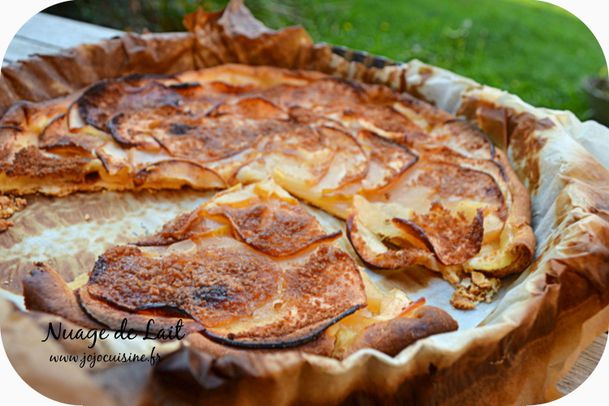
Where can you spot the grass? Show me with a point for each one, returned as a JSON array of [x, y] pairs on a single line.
[[535, 50]]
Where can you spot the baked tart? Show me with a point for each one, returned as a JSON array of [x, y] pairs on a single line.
[[417, 186], [251, 268]]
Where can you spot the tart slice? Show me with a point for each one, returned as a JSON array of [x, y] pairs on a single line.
[[464, 218], [250, 268]]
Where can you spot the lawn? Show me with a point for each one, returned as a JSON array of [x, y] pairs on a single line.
[[532, 49]]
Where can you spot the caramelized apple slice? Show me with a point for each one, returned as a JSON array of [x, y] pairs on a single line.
[[435, 207], [240, 296], [462, 137], [388, 159], [173, 174], [377, 253], [300, 152], [262, 215], [254, 107], [318, 289], [103, 100], [197, 128], [185, 226], [251, 287], [324, 95], [450, 236], [386, 121], [58, 137]]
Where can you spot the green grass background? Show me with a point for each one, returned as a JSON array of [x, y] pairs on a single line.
[[535, 50]]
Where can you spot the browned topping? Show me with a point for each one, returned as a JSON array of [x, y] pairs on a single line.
[[305, 130], [31, 162], [205, 139], [108, 314], [230, 282], [389, 158], [453, 239], [387, 119], [465, 139], [104, 99], [180, 228], [320, 93], [392, 258], [222, 283], [256, 108], [213, 284], [275, 228], [318, 289], [449, 180], [57, 137], [314, 125]]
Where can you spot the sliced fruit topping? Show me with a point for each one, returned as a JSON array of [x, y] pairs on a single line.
[[255, 107], [102, 101], [462, 137], [450, 236], [387, 159], [57, 137], [437, 214], [300, 152], [251, 266], [275, 227], [238, 295]]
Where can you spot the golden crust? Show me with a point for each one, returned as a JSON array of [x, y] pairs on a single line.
[[392, 336], [44, 290]]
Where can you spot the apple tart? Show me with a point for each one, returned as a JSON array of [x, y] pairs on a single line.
[[251, 268], [417, 186]]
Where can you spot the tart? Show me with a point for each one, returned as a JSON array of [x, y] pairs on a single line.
[[417, 186]]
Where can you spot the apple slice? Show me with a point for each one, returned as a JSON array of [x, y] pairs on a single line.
[[462, 137], [262, 219], [173, 174], [239, 297], [58, 137], [450, 236], [301, 152], [103, 100]]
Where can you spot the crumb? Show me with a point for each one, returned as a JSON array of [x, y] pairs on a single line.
[[5, 225], [472, 291], [9, 205]]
